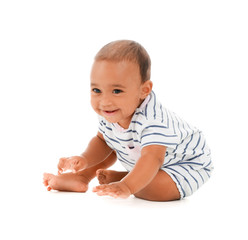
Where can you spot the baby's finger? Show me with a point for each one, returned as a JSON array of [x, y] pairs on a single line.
[[72, 163], [99, 188], [77, 165], [62, 164], [105, 192]]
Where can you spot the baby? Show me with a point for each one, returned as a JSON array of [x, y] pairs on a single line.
[[165, 158]]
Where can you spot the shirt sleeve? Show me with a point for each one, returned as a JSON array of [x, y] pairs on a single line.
[[156, 133]]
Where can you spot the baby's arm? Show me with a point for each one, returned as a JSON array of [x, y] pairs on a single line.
[[95, 153], [146, 168]]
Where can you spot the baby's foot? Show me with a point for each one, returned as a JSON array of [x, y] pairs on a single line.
[[108, 176], [66, 182]]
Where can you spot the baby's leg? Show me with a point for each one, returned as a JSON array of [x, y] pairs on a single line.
[[76, 182], [161, 188]]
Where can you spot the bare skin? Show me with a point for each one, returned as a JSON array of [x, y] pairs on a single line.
[[117, 91], [161, 188], [76, 182], [73, 182], [108, 176]]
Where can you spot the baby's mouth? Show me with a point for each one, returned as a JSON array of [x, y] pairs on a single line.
[[110, 112]]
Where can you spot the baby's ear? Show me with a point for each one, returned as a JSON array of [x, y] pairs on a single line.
[[146, 88]]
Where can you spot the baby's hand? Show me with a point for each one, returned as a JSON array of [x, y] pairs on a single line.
[[74, 163], [115, 189]]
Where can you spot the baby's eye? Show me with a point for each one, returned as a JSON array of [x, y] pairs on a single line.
[[96, 90], [116, 91]]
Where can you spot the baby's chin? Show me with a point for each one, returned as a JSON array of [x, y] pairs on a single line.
[[109, 119]]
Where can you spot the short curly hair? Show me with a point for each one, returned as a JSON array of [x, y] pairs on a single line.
[[127, 50]]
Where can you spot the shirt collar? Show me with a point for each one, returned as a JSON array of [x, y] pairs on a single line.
[[144, 103]]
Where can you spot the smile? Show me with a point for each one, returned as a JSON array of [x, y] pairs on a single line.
[[110, 113]]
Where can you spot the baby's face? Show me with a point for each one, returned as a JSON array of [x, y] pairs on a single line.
[[116, 90]]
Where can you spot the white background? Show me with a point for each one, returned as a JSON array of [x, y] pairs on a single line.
[[199, 69]]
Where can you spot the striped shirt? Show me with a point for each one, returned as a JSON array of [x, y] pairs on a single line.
[[153, 124]]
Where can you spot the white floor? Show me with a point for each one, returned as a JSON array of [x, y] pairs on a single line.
[[28, 211]]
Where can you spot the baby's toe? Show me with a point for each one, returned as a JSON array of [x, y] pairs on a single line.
[[47, 179], [47, 176], [101, 176], [45, 182]]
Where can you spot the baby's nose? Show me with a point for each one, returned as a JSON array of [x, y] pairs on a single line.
[[106, 101]]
